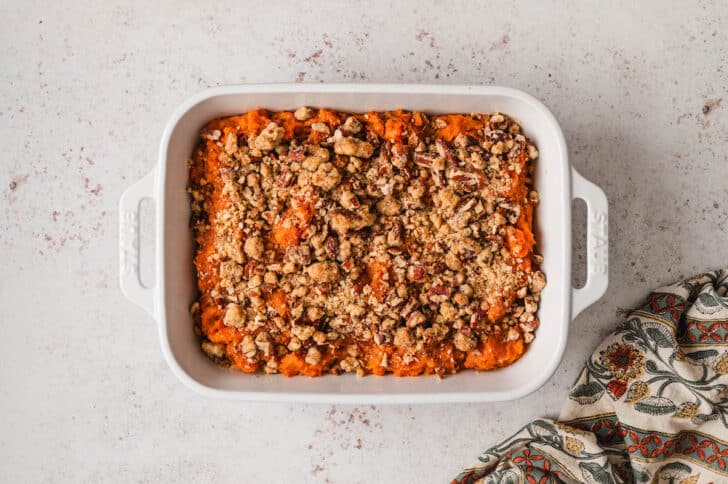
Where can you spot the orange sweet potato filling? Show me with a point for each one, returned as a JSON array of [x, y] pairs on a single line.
[[391, 126]]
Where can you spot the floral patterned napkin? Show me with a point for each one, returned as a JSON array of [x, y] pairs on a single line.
[[651, 404]]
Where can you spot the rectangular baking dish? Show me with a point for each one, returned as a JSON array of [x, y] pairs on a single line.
[[169, 300]]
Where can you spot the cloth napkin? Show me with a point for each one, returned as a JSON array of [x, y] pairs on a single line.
[[650, 405]]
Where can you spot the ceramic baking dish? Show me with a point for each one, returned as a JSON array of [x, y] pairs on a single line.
[[169, 300]]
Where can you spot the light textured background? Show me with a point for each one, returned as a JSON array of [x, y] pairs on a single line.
[[85, 90]]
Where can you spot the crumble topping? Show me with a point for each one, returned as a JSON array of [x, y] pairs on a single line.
[[364, 242]]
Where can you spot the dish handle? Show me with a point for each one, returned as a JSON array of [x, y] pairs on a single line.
[[129, 261], [597, 243]]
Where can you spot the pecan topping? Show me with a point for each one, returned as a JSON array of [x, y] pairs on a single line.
[[372, 242], [303, 113], [269, 137], [332, 246], [353, 147], [323, 271]]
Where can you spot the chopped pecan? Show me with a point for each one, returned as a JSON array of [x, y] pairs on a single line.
[[400, 155], [332, 246], [465, 180], [445, 151], [349, 200], [343, 221], [416, 273], [285, 179], [298, 254], [297, 154], [439, 290], [415, 319], [394, 236], [424, 159]]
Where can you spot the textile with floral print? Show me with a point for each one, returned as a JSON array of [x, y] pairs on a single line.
[[650, 405]]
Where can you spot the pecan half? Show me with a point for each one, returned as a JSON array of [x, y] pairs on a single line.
[[332, 246]]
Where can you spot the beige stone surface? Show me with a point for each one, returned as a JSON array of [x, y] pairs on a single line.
[[640, 88]]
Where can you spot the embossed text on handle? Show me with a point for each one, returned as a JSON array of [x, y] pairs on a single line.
[[129, 241], [599, 250]]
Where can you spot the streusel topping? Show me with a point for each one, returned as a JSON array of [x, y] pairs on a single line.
[[372, 242]]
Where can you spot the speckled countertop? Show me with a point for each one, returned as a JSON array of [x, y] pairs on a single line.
[[641, 91]]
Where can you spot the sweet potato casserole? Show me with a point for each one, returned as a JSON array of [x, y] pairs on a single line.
[[332, 242]]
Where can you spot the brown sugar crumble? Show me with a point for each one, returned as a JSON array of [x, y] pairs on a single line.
[[378, 242]]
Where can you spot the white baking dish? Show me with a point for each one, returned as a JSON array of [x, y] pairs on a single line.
[[168, 302]]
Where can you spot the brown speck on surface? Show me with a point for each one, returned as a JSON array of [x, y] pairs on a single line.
[[684, 116], [300, 77], [315, 57], [716, 205], [711, 104], [501, 43], [120, 59], [423, 35], [17, 182]]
